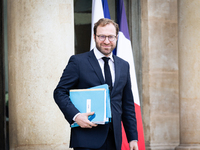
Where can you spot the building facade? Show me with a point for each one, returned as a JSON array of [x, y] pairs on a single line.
[[166, 47]]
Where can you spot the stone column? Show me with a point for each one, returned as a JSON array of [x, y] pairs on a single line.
[[160, 74], [189, 62], [40, 41]]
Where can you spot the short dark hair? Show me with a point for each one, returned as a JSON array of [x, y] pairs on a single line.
[[103, 22]]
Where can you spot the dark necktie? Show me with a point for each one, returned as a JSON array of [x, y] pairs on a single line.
[[108, 77]]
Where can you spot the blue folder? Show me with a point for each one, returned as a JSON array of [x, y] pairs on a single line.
[[108, 108], [95, 99]]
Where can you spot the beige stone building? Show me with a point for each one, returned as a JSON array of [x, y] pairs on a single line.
[[41, 35]]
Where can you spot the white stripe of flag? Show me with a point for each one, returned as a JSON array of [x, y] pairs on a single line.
[[97, 13]]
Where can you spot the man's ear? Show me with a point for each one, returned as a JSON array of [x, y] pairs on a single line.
[[94, 37], [117, 37]]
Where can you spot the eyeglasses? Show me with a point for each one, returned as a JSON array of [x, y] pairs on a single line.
[[103, 37]]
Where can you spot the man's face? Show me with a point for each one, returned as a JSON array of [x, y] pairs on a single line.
[[106, 46]]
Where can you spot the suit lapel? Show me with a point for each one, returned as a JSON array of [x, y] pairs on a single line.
[[95, 64]]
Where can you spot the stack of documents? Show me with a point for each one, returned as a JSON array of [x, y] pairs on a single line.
[[95, 99]]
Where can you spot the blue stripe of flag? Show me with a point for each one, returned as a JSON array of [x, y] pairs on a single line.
[[105, 9], [121, 19]]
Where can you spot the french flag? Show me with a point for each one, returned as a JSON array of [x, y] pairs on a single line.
[[100, 10], [124, 50]]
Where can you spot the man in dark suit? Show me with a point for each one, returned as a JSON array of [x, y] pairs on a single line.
[[87, 70]]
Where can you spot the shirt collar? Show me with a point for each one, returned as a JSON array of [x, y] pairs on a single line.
[[99, 55]]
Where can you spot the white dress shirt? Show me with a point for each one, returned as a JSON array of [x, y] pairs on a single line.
[[99, 56]]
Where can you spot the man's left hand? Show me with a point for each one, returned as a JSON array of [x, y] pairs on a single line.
[[133, 145]]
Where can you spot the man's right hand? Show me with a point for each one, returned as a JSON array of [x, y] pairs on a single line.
[[83, 122]]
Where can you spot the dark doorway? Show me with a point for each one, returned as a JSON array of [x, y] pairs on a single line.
[[3, 78], [2, 82], [82, 23]]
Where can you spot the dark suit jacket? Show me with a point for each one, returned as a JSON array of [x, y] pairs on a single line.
[[83, 71]]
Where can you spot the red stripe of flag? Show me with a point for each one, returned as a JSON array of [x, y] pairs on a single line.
[[141, 143]]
